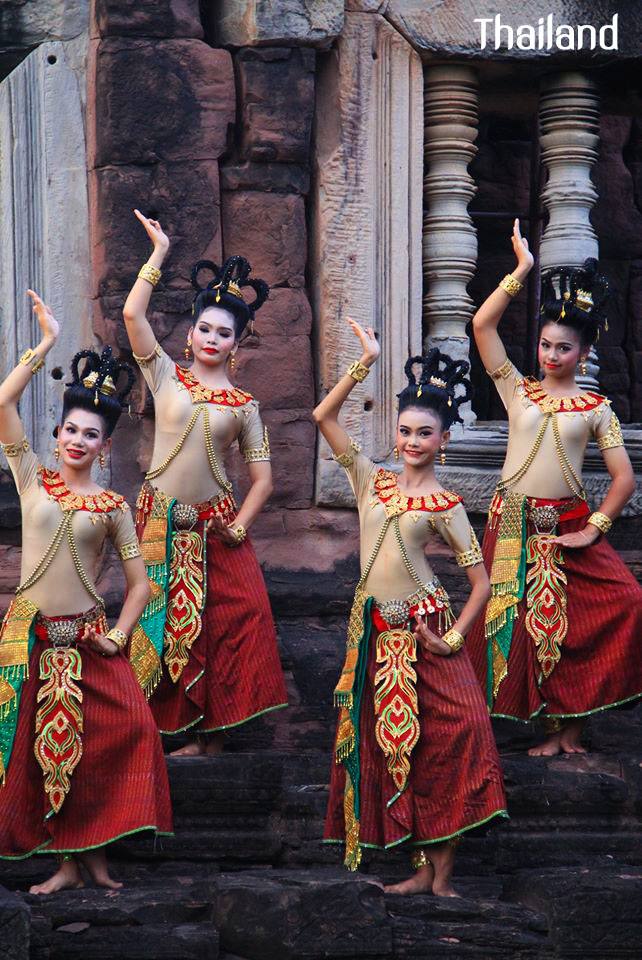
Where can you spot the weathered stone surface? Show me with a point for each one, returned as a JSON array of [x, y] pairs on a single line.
[[26, 23], [135, 80], [158, 18], [266, 177], [14, 927], [285, 313], [276, 91], [183, 196], [617, 216], [268, 229], [283, 369], [281, 916], [241, 23]]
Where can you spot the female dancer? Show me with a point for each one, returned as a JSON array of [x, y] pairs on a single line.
[[560, 636], [210, 618], [399, 704], [79, 752]]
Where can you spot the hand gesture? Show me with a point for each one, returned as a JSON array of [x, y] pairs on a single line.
[[221, 531], [369, 343], [46, 320], [520, 247], [429, 640], [98, 641], [580, 538], [154, 231]]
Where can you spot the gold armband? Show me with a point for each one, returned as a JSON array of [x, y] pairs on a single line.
[[145, 361], [454, 639], [30, 355], [601, 521], [129, 550], [468, 558], [256, 454], [503, 372], [150, 273], [358, 371], [347, 459], [119, 637], [510, 285], [15, 449], [239, 532], [613, 436]]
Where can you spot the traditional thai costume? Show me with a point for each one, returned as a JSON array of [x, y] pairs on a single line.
[[415, 756], [80, 756], [206, 650], [561, 633]]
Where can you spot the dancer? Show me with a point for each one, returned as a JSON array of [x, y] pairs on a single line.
[[209, 659], [560, 636], [415, 755], [80, 756]]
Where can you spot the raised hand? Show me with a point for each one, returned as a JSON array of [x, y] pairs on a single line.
[[98, 641], [154, 231], [580, 538], [221, 531], [369, 344], [429, 640], [520, 246], [46, 320]]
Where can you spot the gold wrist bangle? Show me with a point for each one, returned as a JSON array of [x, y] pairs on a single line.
[[119, 637], [601, 521], [358, 371], [239, 532], [454, 639], [150, 273], [38, 365], [510, 285], [27, 358]]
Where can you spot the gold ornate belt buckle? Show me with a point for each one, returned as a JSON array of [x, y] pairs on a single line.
[[62, 633], [184, 516], [545, 519], [394, 612]]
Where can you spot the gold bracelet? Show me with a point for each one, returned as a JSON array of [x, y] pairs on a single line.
[[358, 371], [119, 637], [38, 365], [510, 285], [239, 532], [150, 273], [454, 639], [30, 355], [601, 521]]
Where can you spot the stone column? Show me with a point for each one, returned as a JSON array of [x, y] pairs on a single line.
[[43, 224], [569, 123], [366, 237], [449, 237]]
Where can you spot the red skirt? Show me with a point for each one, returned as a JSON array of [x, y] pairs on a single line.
[[455, 780], [119, 785], [234, 672], [600, 664]]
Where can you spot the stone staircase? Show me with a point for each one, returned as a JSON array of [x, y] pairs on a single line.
[[246, 878]]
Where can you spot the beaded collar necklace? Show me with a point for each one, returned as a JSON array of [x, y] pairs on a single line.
[[56, 489], [395, 502], [549, 404], [202, 394]]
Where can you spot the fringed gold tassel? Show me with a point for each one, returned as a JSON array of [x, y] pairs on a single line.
[[352, 857]]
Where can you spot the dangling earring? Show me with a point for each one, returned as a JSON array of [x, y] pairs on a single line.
[[232, 363], [188, 350], [442, 456], [583, 366], [101, 459], [396, 452], [56, 453]]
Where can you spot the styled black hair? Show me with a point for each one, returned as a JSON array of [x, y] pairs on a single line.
[[576, 297], [95, 387], [435, 388], [225, 291]]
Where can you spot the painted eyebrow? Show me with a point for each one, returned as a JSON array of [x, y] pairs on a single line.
[[221, 329], [70, 423]]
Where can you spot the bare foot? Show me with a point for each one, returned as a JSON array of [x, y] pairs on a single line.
[[550, 747], [570, 737], [194, 749], [67, 877], [215, 743], [421, 882], [95, 862], [444, 890]]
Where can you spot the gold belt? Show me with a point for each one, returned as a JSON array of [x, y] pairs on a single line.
[[62, 632], [396, 612]]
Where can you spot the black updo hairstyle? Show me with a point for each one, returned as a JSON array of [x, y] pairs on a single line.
[[435, 389], [576, 297], [95, 387], [225, 291]]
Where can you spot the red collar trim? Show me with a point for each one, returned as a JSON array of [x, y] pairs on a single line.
[[202, 394], [396, 502], [549, 404], [57, 489]]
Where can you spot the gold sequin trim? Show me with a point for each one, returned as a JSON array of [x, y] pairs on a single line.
[[145, 361], [504, 372], [129, 550], [258, 453], [613, 436], [15, 449], [347, 459], [468, 558]]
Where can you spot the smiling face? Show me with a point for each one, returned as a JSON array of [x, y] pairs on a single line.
[[420, 434], [213, 337], [560, 350], [81, 437]]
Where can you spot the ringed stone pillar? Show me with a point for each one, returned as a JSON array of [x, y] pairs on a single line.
[[449, 237], [366, 236], [569, 125]]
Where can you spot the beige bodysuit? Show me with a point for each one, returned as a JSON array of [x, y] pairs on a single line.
[[558, 427], [194, 428], [422, 521], [63, 535]]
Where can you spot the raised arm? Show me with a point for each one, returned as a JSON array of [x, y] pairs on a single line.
[[141, 336], [326, 414], [11, 428], [486, 320]]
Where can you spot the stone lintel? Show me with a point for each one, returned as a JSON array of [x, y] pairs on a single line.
[[291, 23]]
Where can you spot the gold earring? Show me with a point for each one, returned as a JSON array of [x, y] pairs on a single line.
[[583, 367], [101, 458], [396, 452], [442, 456], [188, 350], [56, 453], [232, 362]]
